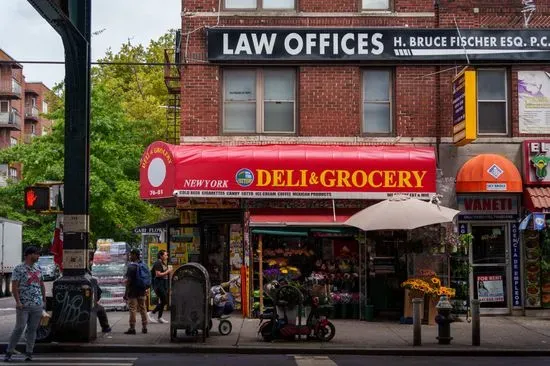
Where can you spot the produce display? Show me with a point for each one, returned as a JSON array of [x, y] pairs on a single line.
[[109, 267], [537, 269]]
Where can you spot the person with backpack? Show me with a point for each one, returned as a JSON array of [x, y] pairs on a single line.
[[160, 273], [138, 280]]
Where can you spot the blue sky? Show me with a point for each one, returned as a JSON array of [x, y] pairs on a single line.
[[31, 38]]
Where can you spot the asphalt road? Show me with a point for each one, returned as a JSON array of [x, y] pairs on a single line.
[[272, 360]]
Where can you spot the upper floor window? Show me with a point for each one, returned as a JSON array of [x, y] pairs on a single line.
[[44, 107], [492, 102], [259, 4], [13, 141], [13, 173], [4, 106], [377, 101], [259, 101], [375, 4]]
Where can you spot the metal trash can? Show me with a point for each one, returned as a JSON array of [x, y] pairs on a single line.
[[189, 305]]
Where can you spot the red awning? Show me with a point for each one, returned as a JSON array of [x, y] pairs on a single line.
[[299, 217], [286, 171], [537, 199]]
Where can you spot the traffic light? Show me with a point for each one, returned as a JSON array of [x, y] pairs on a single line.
[[37, 198]]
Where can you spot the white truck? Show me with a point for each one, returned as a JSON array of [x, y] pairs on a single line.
[[11, 251]]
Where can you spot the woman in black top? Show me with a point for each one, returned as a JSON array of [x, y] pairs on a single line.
[[160, 273]]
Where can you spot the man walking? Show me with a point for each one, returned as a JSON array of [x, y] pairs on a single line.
[[136, 289], [160, 273], [30, 298]]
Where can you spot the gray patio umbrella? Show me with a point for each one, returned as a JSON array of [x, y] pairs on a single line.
[[401, 213]]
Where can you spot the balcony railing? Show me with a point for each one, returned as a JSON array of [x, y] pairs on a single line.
[[31, 112], [10, 120], [10, 88]]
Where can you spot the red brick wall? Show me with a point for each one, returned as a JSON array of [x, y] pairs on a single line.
[[329, 101], [329, 96]]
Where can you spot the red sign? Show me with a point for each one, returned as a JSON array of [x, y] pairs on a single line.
[[37, 198], [286, 171], [536, 155]]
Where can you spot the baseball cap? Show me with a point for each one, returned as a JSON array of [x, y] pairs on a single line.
[[31, 250]]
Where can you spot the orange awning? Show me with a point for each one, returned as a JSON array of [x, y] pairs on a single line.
[[488, 173]]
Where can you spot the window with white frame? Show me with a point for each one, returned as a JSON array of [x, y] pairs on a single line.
[[33, 129], [259, 101], [44, 107], [13, 141], [375, 4], [13, 173], [377, 101], [492, 102], [4, 106], [259, 4]]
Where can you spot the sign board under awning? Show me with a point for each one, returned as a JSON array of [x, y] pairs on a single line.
[[286, 171]]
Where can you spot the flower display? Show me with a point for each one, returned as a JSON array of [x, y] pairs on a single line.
[[427, 285]]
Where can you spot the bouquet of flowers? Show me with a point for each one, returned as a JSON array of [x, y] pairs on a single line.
[[272, 274], [427, 285]]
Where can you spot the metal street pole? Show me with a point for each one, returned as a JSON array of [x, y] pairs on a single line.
[[73, 313]]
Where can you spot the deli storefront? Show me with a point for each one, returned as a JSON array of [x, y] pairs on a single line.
[[259, 212]]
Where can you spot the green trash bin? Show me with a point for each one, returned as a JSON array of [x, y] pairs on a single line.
[[369, 313]]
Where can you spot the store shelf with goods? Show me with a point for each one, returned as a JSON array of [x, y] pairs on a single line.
[[109, 267]]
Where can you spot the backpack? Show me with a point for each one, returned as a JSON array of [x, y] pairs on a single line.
[[143, 276]]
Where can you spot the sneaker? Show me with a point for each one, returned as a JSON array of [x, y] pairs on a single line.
[[162, 321], [151, 319], [106, 330], [28, 356], [7, 356], [130, 331], [143, 330]]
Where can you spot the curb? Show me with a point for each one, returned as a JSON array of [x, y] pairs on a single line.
[[253, 350]]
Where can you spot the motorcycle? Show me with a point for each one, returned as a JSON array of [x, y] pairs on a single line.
[[278, 326]]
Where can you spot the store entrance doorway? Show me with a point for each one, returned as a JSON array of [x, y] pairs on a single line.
[[489, 259]]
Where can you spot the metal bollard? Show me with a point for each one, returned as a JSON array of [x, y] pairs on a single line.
[[476, 329], [417, 319]]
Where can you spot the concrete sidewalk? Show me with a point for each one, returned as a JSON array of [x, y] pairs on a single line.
[[499, 335]]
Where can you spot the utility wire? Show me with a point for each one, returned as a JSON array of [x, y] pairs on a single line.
[[123, 63]]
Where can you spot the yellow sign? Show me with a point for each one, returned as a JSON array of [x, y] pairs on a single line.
[[464, 107], [341, 178]]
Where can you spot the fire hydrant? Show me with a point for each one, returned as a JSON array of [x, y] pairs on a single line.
[[444, 318]]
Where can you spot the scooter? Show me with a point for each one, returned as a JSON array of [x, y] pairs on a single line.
[[317, 325]]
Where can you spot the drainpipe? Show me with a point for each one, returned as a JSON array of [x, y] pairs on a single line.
[[438, 129]]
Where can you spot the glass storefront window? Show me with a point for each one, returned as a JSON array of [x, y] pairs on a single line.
[[489, 245]]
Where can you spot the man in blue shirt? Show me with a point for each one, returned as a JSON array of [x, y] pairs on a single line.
[[30, 297]]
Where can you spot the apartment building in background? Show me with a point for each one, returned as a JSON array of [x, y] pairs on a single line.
[[23, 105]]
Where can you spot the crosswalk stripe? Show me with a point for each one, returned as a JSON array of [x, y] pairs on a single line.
[[85, 358], [314, 361], [55, 363]]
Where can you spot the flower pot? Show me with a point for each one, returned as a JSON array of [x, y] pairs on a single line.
[[369, 313]]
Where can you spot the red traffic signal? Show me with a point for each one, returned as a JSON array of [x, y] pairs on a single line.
[[37, 198]]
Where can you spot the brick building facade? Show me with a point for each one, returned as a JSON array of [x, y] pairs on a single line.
[[22, 108], [368, 73]]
